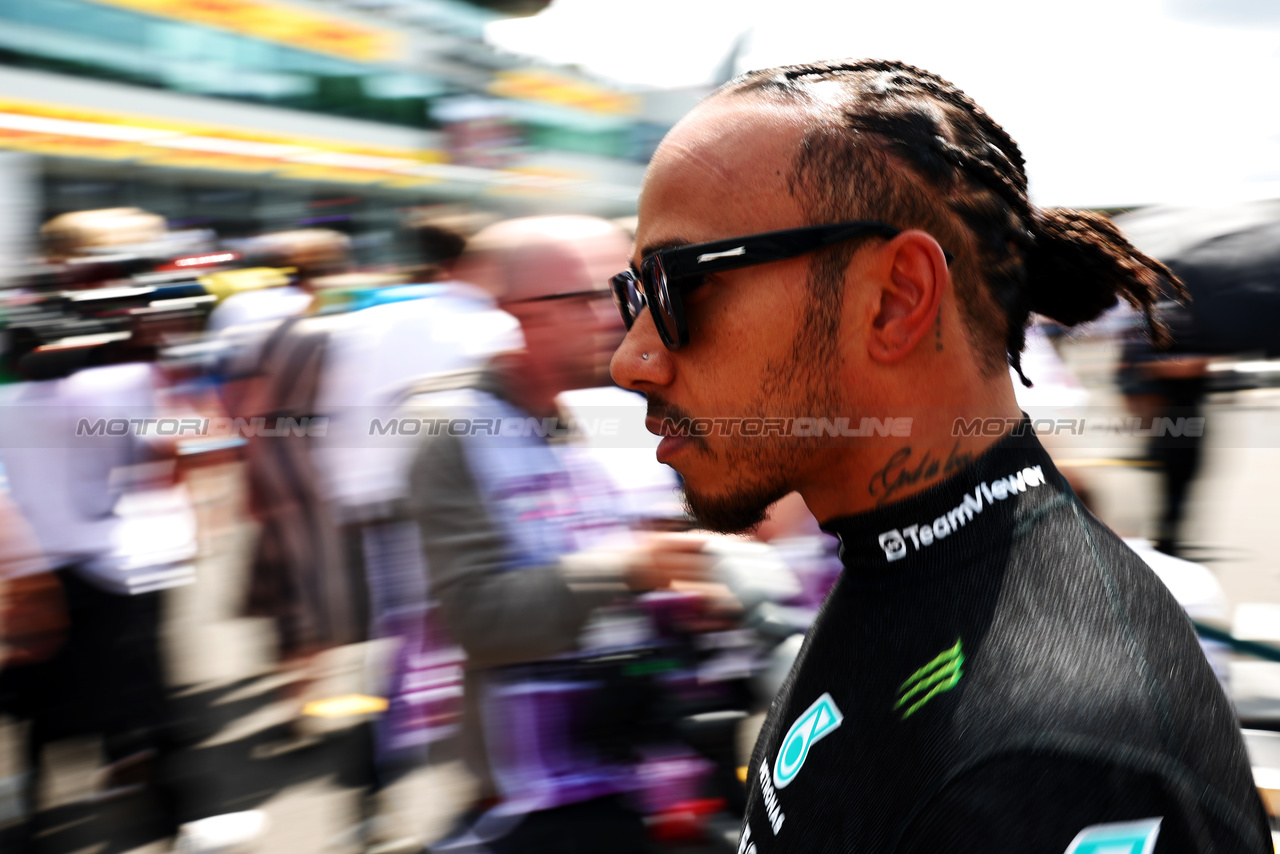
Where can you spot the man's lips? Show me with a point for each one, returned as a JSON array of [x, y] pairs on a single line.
[[670, 446], [672, 442], [659, 426]]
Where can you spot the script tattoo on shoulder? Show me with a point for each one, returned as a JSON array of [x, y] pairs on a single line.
[[905, 469]]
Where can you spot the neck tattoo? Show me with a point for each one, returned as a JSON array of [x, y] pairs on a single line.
[[905, 469]]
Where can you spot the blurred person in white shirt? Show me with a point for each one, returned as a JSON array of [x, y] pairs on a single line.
[[93, 478]]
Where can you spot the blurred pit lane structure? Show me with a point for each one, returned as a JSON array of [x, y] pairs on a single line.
[[269, 115]]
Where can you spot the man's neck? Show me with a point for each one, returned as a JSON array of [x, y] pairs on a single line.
[[887, 470]]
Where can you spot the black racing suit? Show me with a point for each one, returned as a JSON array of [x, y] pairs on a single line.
[[996, 671]]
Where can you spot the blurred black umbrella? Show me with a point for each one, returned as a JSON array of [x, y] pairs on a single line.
[[1229, 259]]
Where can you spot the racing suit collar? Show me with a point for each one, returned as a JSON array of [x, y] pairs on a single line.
[[956, 516]]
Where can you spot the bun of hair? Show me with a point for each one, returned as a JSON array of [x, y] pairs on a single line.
[[1081, 265]]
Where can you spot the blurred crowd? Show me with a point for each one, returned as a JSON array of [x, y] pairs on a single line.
[[431, 464], [429, 455]]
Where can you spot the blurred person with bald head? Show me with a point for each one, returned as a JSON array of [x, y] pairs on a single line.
[[434, 324], [523, 543], [545, 271]]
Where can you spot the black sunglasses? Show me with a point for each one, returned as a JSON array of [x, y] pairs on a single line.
[[666, 275]]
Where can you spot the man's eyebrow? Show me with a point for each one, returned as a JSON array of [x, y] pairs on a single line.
[[672, 243]]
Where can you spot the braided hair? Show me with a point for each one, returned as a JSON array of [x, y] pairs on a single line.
[[1012, 258]]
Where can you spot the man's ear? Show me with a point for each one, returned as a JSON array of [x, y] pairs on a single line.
[[914, 279]]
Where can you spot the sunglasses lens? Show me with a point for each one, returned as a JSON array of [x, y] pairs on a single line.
[[663, 303], [627, 296], [631, 297]]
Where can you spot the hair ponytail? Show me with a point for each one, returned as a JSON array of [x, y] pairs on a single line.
[[1081, 265]]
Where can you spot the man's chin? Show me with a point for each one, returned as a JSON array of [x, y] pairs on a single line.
[[735, 513]]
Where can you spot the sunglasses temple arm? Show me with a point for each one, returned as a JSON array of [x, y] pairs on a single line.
[[765, 249]]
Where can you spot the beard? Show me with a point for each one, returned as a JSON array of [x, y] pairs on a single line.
[[758, 471], [738, 511]]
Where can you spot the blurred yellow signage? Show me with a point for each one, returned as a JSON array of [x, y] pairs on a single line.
[[550, 88], [289, 25], [65, 131], [62, 131]]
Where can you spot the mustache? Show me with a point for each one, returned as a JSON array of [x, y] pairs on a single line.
[[665, 411]]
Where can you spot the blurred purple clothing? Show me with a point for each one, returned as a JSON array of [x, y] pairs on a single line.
[[515, 527]]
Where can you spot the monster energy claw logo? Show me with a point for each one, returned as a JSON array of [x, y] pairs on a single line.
[[818, 721], [941, 674]]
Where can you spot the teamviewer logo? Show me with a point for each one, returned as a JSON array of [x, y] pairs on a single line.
[[895, 548]]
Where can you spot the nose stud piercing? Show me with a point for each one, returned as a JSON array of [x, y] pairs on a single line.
[[644, 356]]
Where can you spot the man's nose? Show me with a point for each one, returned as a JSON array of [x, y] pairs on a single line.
[[641, 361]]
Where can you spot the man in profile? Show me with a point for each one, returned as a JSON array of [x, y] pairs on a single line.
[[995, 671]]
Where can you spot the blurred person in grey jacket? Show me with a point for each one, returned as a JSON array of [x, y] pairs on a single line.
[[522, 545]]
